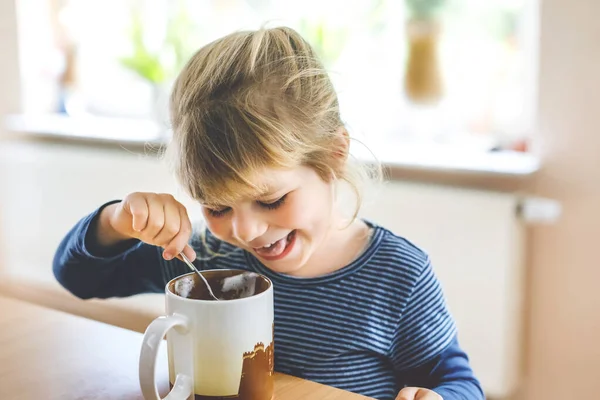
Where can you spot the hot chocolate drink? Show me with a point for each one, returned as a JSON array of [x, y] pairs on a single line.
[[225, 284]]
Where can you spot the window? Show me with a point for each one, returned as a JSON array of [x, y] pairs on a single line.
[[75, 56]]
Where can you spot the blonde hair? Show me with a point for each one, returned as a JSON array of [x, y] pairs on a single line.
[[250, 100]]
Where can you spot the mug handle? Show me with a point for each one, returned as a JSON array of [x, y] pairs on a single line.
[[156, 331]]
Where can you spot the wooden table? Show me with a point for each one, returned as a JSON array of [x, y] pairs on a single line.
[[50, 355]]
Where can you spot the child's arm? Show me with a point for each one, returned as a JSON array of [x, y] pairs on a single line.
[[426, 353], [97, 260], [448, 374]]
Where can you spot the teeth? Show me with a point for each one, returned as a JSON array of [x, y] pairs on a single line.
[[268, 246]]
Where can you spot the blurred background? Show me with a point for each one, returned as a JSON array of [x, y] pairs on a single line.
[[484, 114], [453, 72]]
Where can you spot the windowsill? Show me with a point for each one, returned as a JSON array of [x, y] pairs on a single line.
[[120, 131], [502, 170]]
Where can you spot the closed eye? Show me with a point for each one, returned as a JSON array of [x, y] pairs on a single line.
[[273, 205], [218, 213]]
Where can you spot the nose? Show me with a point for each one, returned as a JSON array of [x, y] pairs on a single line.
[[247, 226]]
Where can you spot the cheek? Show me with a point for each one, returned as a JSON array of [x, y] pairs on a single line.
[[310, 209], [293, 217], [219, 227]]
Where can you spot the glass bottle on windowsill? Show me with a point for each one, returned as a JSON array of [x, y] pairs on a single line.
[[70, 100], [422, 80]]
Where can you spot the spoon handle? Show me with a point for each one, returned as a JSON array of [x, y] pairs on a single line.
[[193, 268]]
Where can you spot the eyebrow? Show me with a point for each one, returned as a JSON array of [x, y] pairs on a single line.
[[267, 191]]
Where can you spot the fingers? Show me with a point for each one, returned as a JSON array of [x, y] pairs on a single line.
[[156, 218], [179, 236], [407, 393], [415, 393], [171, 223], [425, 394], [189, 253], [135, 204]]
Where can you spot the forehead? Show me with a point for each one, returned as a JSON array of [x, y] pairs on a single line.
[[272, 179], [260, 183]]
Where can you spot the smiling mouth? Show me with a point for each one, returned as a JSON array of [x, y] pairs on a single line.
[[278, 249]]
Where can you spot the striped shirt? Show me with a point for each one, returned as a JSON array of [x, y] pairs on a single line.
[[371, 327]]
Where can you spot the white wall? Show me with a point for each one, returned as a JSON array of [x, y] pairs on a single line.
[[9, 67], [563, 355]]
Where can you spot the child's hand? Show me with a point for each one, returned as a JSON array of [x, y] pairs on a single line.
[[414, 393], [156, 219]]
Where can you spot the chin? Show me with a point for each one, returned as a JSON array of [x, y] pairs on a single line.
[[283, 268], [288, 267], [285, 271]]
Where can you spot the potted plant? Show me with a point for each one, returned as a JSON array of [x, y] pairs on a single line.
[[422, 80], [158, 65]]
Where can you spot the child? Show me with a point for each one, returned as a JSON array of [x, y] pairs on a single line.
[[258, 141]]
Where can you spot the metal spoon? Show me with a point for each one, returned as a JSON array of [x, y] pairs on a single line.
[[193, 268]]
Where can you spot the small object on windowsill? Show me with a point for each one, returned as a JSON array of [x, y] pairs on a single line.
[[423, 79], [519, 146]]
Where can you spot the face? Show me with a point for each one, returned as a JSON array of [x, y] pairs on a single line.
[[284, 228]]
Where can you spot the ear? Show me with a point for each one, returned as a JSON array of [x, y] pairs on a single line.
[[341, 145]]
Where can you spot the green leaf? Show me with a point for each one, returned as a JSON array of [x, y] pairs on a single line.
[[158, 66], [424, 8]]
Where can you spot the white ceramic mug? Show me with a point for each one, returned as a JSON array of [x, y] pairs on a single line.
[[216, 349]]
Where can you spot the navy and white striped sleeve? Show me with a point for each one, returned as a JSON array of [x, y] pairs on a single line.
[[426, 327], [87, 269], [425, 351]]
